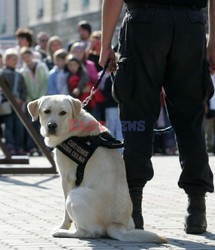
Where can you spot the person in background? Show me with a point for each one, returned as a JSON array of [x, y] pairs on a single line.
[[209, 120], [79, 84], [78, 51], [209, 127], [42, 40], [93, 55], [212, 115], [24, 37], [54, 44], [84, 30], [165, 142], [14, 130], [57, 80], [95, 48], [77, 80], [112, 120], [1, 60], [1, 66], [36, 78]]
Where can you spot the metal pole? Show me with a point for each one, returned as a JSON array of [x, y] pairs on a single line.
[[35, 136], [16, 14]]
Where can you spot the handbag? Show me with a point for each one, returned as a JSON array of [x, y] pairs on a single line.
[[5, 107]]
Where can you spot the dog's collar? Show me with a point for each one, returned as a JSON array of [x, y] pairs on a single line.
[[80, 149]]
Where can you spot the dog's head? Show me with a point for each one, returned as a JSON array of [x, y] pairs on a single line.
[[54, 113]]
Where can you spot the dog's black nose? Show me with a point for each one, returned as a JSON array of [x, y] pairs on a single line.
[[52, 127]]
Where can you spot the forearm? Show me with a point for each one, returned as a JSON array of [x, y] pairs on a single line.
[[211, 12], [111, 10]]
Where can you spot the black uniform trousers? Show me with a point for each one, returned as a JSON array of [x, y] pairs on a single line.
[[164, 46]]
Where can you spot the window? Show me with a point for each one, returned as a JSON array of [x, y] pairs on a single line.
[[65, 5], [3, 13], [85, 4], [40, 8], [3, 28]]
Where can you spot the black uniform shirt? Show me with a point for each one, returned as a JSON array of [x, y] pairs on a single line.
[[199, 3]]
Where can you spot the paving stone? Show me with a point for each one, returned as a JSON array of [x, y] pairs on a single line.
[[31, 205]]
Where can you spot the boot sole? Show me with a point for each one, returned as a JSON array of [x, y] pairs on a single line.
[[195, 230]]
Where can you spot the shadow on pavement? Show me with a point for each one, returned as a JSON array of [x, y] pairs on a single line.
[[210, 236], [22, 183], [189, 244], [104, 242]]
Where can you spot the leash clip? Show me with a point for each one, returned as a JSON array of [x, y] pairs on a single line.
[[86, 101]]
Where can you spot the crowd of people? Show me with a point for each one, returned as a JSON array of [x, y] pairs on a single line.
[[48, 67]]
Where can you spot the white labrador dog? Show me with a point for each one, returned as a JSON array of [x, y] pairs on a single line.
[[101, 205]]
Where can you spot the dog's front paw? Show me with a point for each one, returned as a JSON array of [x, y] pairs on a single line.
[[58, 232]]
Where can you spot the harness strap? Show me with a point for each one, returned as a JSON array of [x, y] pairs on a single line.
[[80, 149], [81, 167]]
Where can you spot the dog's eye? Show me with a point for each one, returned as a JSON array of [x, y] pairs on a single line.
[[62, 112], [47, 111]]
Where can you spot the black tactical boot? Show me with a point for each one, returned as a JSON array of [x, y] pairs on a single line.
[[136, 198], [195, 221]]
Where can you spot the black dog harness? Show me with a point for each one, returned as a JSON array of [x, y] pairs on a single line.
[[80, 149]]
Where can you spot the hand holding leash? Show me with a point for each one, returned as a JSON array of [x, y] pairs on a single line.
[[108, 55]]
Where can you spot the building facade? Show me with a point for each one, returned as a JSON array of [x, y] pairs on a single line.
[[60, 17], [56, 17]]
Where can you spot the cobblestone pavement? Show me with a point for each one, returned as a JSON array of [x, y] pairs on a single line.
[[30, 206]]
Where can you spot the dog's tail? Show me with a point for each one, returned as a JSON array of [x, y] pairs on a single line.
[[118, 232]]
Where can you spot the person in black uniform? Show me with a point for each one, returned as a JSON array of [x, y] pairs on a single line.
[[163, 44]]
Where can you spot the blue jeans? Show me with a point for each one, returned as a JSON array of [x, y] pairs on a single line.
[[113, 122], [14, 131]]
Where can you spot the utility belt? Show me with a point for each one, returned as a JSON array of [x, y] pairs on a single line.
[[141, 5]]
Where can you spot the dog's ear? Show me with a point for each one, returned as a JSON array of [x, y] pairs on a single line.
[[33, 109], [76, 106]]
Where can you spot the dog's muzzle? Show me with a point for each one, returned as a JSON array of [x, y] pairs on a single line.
[[52, 127]]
